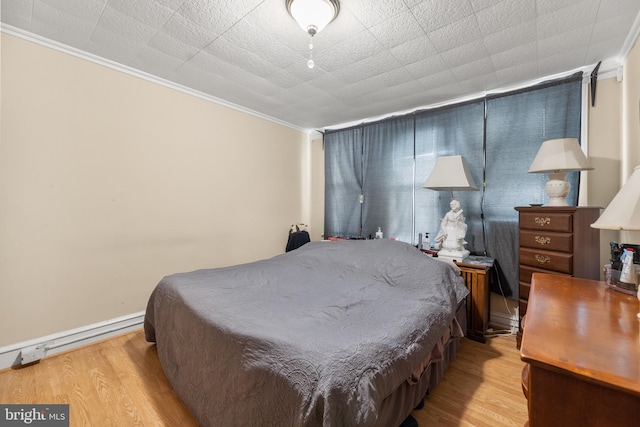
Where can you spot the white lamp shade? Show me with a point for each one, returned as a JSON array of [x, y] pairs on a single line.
[[557, 155], [623, 213], [450, 173], [314, 14]]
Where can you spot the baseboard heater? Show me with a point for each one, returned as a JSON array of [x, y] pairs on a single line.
[[31, 351], [503, 322]]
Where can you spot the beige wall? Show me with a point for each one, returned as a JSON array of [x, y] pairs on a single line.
[[631, 113], [317, 188], [631, 124], [605, 143], [108, 182], [614, 142]]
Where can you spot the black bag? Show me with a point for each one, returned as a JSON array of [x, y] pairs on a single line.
[[297, 237]]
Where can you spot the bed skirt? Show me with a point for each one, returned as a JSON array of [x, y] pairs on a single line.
[[399, 405]]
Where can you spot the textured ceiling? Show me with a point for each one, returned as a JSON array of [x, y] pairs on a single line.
[[376, 58]]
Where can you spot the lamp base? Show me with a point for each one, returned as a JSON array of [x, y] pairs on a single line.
[[557, 189]]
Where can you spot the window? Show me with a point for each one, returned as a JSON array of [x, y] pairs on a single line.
[[456, 129], [374, 172]]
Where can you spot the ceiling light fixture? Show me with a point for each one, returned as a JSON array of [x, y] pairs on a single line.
[[313, 16]]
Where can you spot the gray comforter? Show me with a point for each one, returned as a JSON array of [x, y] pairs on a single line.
[[319, 336]]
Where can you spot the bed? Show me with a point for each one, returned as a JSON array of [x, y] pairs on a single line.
[[348, 333]]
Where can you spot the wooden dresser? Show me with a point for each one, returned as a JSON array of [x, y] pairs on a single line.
[[581, 344], [556, 240]]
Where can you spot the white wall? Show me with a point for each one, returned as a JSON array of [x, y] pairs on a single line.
[[108, 182]]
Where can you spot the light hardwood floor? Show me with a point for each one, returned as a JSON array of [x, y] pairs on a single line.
[[119, 382]]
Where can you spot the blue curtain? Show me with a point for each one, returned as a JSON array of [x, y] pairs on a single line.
[[388, 178], [343, 183], [517, 124], [374, 172], [447, 131]]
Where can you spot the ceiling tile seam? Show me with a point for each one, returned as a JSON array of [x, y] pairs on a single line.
[[104, 7], [31, 15], [537, 41], [593, 28], [424, 30], [203, 49], [493, 66], [512, 24], [135, 55], [367, 26], [175, 11], [406, 41], [435, 45], [438, 53], [163, 26]]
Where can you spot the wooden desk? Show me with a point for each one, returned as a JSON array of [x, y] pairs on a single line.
[[582, 343], [476, 272]]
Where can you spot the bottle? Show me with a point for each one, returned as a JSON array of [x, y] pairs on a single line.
[[427, 242], [628, 273], [379, 233]]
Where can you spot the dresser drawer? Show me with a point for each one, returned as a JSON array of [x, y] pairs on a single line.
[[546, 221], [524, 273], [555, 240], [547, 260], [546, 240]]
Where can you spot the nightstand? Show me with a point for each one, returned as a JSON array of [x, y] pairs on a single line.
[[476, 272]]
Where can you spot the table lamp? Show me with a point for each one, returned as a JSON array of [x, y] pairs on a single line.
[[451, 173], [557, 157], [623, 213]]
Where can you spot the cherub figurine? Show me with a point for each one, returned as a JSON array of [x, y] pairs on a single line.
[[450, 238]]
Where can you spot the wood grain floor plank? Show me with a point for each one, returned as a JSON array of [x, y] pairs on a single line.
[[120, 382], [480, 388]]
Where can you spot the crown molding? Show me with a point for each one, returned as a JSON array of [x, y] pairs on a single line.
[[630, 41], [43, 41]]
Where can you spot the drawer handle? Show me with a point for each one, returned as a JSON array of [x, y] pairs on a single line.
[[542, 259], [542, 221], [542, 240]]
